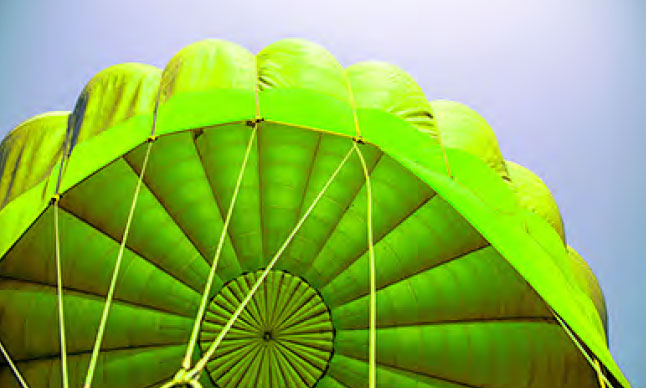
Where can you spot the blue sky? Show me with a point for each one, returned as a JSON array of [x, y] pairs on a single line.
[[562, 83]]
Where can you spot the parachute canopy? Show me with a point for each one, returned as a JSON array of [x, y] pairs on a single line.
[[234, 160]]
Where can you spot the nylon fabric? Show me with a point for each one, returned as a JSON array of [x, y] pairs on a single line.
[[299, 64], [113, 96], [462, 128], [29, 152], [391, 210], [588, 282], [310, 116], [534, 195], [382, 86]]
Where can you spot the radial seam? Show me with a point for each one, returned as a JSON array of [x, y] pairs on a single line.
[[436, 265], [137, 253], [387, 232], [93, 294], [338, 221], [166, 208]]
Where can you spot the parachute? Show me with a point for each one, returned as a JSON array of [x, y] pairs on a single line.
[[279, 221]]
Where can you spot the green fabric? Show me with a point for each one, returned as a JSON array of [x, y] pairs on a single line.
[[29, 152], [385, 87], [286, 326], [587, 281], [463, 128], [113, 96], [467, 275], [534, 195]]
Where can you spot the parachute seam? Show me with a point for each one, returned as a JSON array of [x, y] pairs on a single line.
[[398, 368], [166, 209], [310, 171], [130, 249], [53, 357], [527, 319], [309, 128], [421, 271], [286, 351], [215, 199], [93, 295], [386, 234], [233, 297], [339, 381], [345, 209]]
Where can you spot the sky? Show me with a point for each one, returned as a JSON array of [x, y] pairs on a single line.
[[561, 82]]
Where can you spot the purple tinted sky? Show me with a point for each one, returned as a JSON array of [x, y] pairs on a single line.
[[562, 83]]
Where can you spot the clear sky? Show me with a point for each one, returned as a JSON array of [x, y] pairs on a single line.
[[562, 83]]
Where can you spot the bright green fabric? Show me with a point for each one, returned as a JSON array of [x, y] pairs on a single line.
[[587, 281], [534, 195], [29, 152], [447, 297], [463, 128]]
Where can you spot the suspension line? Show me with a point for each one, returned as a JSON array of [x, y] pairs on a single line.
[[207, 289], [59, 296], [372, 343], [115, 273], [13, 367], [192, 374]]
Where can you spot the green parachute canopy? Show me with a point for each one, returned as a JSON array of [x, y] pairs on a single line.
[[348, 220]]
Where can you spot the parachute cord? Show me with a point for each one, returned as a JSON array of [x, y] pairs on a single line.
[[193, 373], [600, 376], [372, 349], [207, 289], [59, 294], [353, 104], [603, 380], [115, 275], [13, 367]]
